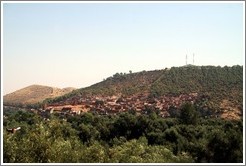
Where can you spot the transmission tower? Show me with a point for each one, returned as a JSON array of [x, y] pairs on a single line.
[[193, 58], [186, 60]]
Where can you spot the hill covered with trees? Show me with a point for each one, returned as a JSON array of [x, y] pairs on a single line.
[[219, 88]]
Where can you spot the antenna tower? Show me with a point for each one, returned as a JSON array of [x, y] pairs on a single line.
[[186, 60], [193, 58]]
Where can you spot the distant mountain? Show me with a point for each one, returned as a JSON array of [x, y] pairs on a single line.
[[221, 88], [34, 94]]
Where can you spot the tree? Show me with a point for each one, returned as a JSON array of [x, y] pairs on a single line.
[[188, 114], [173, 111], [125, 125]]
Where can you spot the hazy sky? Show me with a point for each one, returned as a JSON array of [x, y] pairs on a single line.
[[77, 45]]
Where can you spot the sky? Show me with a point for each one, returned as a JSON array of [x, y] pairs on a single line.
[[80, 44]]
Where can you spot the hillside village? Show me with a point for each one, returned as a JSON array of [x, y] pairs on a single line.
[[116, 104]]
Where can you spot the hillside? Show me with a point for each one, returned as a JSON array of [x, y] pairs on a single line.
[[216, 89], [147, 120], [33, 94]]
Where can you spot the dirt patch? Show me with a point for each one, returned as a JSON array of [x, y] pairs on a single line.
[[230, 111]]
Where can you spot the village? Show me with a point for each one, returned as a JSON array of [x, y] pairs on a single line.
[[112, 105]]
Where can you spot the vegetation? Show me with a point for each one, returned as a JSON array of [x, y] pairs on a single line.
[[188, 114], [216, 83], [190, 134], [125, 138], [125, 84]]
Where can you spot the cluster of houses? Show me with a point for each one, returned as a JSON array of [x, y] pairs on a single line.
[[116, 104]]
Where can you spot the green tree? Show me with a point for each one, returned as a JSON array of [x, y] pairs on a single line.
[[188, 114]]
